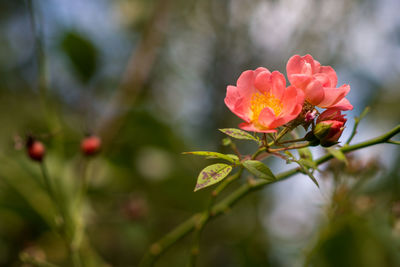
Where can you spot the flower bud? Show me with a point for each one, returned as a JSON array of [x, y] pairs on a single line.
[[330, 125], [90, 145], [312, 139], [310, 116], [36, 149]]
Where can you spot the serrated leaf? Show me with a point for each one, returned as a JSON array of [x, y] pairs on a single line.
[[212, 174], [259, 169], [338, 155], [240, 134], [215, 155]]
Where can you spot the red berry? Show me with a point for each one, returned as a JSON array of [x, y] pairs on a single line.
[[36, 150], [90, 145]]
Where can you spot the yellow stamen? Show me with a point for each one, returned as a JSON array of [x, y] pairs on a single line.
[[259, 101]]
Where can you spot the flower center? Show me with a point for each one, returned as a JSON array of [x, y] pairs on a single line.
[[259, 101]]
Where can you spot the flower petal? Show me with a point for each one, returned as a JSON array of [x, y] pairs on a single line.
[[343, 104], [237, 103], [246, 79], [266, 117], [273, 82], [296, 65], [314, 92], [250, 127], [331, 75], [333, 96]]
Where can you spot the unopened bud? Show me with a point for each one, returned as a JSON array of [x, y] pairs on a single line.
[[36, 149], [330, 125], [322, 129], [310, 116], [90, 145], [312, 139]]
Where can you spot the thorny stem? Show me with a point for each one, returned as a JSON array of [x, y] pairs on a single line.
[[158, 248]]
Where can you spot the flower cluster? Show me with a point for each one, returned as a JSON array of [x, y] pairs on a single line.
[[262, 99]]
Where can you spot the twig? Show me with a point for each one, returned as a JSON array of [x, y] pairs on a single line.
[[182, 230], [356, 122], [292, 141]]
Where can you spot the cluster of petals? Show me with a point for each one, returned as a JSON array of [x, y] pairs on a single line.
[[317, 82], [263, 101]]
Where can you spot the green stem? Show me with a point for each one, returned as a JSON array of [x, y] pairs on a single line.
[[393, 142], [289, 147], [206, 214], [75, 259], [83, 182], [282, 134], [48, 184], [182, 230], [356, 122], [292, 141]]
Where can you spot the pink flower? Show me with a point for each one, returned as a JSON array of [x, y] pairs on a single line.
[[318, 83], [262, 100], [330, 125]]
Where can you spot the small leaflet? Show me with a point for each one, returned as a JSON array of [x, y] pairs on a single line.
[[259, 169], [212, 174], [240, 134]]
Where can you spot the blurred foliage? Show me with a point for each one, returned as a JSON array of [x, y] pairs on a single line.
[[141, 186], [81, 53]]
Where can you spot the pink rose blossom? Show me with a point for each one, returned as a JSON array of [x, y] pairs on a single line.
[[262, 100], [318, 83]]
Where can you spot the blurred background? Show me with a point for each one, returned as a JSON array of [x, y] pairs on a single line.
[[149, 76]]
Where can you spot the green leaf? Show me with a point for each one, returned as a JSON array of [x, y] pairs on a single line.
[[212, 174], [305, 153], [309, 164], [82, 54], [311, 175], [240, 134], [305, 166], [338, 155], [259, 169], [215, 155]]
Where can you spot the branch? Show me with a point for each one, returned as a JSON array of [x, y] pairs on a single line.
[[189, 225]]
